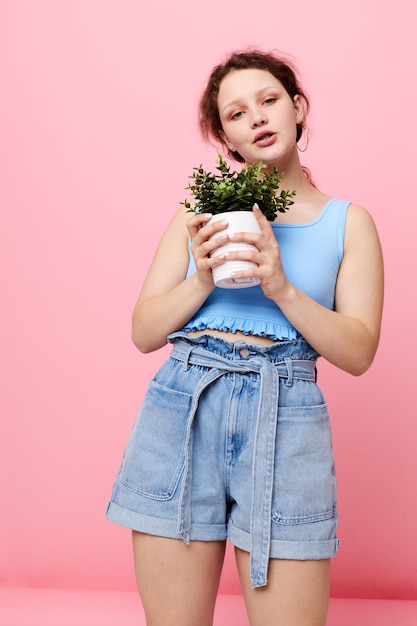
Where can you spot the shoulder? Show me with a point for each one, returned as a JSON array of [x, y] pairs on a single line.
[[358, 220], [181, 216], [360, 229], [357, 213], [177, 227], [174, 239]]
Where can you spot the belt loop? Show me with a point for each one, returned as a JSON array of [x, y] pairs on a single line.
[[288, 363], [185, 363]]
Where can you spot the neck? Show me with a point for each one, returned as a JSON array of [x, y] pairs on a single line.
[[294, 176]]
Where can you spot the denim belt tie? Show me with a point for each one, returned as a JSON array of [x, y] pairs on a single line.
[[265, 437]]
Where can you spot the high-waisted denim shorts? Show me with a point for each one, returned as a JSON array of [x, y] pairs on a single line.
[[233, 441]]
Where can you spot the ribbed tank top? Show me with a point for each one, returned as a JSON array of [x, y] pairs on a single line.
[[311, 255]]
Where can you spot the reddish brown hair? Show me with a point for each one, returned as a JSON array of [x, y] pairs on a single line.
[[209, 119]]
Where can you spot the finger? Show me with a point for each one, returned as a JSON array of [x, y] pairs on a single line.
[[197, 221], [262, 221], [210, 229]]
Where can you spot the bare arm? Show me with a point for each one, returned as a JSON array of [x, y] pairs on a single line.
[[347, 337], [168, 299]]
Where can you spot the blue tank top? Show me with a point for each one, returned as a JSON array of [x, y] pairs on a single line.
[[311, 255]]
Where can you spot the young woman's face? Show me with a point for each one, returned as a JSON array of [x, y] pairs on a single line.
[[258, 116]]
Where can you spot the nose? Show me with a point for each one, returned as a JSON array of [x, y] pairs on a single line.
[[259, 119]]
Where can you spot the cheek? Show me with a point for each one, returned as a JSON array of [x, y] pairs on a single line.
[[296, 116], [230, 136], [291, 121]]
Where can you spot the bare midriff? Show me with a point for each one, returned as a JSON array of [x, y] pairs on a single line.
[[237, 336]]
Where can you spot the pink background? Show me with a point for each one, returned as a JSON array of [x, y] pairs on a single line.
[[97, 139]]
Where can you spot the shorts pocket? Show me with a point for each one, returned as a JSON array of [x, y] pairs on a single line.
[[304, 481], [154, 457]]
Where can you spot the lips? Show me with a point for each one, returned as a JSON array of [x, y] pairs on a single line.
[[265, 138]]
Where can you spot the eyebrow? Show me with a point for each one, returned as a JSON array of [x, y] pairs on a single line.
[[234, 103]]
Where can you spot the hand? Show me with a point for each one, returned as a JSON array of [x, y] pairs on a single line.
[[266, 256], [200, 230]]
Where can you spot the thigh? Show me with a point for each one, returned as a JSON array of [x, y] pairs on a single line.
[[177, 582], [297, 593]]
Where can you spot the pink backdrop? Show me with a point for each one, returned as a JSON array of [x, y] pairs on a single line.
[[97, 139]]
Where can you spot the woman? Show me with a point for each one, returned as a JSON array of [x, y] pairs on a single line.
[[233, 438]]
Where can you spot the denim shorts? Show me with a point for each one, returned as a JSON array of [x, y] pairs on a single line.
[[233, 441]]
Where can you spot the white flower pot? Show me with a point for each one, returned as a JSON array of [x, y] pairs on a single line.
[[239, 221]]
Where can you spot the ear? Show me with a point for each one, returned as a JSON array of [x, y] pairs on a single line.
[[299, 109], [227, 142]]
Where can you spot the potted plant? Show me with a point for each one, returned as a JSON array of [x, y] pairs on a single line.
[[235, 193]]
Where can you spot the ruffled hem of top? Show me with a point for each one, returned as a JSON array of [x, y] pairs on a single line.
[[278, 332]]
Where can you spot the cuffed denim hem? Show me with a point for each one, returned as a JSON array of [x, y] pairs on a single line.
[[294, 550], [163, 527]]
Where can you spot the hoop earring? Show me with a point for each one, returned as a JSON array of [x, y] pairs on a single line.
[[307, 139]]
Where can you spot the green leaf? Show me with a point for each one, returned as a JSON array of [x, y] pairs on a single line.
[[237, 191]]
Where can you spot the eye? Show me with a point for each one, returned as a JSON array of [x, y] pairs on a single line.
[[270, 100], [237, 115]]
